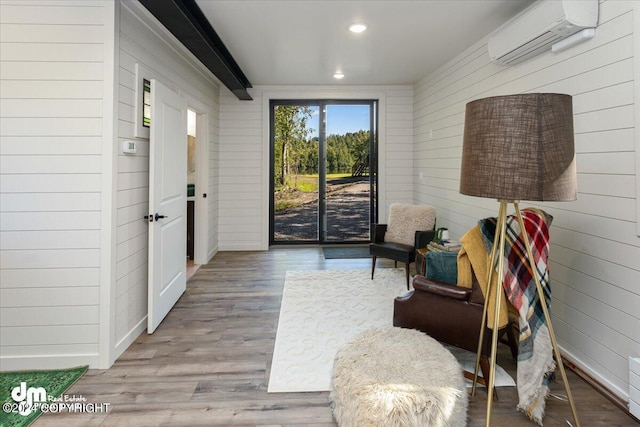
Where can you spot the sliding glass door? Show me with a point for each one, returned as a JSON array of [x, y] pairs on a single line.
[[323, 176], [295, 185], [348, 185]]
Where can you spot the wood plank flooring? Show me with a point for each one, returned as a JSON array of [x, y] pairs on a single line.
[[208, 362]]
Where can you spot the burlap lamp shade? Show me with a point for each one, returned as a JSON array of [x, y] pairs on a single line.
[[519, 147]]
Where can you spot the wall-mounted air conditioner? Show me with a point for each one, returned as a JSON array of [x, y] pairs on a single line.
[[540, 26]]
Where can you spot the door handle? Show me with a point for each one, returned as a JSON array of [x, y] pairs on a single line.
[[158, 216]]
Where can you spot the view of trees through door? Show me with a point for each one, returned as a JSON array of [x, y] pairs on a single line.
[[323, 176]]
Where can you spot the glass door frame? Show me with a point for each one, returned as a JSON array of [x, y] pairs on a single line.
[[322, 173]]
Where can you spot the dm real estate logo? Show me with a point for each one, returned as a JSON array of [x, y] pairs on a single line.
[[28, 399]]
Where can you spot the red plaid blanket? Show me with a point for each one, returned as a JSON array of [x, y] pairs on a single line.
[[535, 355]]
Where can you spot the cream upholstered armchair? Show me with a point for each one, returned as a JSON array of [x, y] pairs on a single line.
[[408, 228]]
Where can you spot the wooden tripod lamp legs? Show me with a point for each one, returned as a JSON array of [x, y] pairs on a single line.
[[498, 248]]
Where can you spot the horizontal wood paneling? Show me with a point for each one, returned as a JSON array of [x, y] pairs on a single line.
[[55, 202], [25, 70], [132, 280], [132, 263], [27, 145], [132, 229], [133, 212], [49, 277], [148, 45], [617, 140], [50, 126], [607, 184], [48, 316], [131, 245], [237, 138], [49, 239], [43, 33], [78, 164], [50, 183], [26, 351], [85, 52], [49, 297], [51, 89], [51, 107], [50, 258], [24, 221], [52, 62], [595, 253], [50, 335], [75, 13]]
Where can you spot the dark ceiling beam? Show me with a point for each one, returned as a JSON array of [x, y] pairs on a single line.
[[185, 20]]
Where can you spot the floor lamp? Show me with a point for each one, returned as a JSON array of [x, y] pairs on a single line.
[[518, 147]]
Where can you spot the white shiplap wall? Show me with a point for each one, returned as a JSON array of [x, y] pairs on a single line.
[[595, 251], [54, 84], [244, 155], [142, 40], [73, 245]]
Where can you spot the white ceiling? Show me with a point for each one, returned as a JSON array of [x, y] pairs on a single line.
[[307, 41]]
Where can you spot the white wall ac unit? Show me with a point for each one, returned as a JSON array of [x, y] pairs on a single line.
[[539, 26]]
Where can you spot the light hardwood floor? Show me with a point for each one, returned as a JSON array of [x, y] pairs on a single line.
[[208, 362]]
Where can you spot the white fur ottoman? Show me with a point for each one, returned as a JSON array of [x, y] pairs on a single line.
[[397, 377]]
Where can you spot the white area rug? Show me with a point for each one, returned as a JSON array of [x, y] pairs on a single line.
[[468, 362], [321, 311]]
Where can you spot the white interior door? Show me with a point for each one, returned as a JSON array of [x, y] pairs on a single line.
[[167, 202]]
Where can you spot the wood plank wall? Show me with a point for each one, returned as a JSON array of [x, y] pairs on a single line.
[[595, 251], [241, 207], [53, 64], [51, 113], [143, 42], [244, 161]]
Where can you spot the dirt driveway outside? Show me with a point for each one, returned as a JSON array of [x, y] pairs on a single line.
[[347, 216]]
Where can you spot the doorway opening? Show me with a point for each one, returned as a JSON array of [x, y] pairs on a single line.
[[192, 118], [323, 171]]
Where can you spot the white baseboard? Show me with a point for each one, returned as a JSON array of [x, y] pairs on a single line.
[[243, 246], [129, 338], [614, 390], [48, 361], [211, 254]]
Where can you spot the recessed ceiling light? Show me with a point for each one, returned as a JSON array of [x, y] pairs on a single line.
[[357, 28], [338, 76]]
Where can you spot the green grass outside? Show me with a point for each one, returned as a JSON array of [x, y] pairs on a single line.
[[281, 205], [300, 184], [304, 183], [309, 183]]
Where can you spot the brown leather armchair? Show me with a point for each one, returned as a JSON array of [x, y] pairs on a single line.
[[450, 314]]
